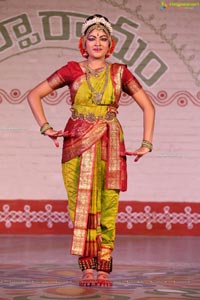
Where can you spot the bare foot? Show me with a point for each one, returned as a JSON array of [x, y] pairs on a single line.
[[103, 279], [87, 278]]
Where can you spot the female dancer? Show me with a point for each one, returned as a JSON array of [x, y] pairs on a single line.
[[94, 156]]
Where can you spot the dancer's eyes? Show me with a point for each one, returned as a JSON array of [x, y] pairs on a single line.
[[104, 39], [101, 38]]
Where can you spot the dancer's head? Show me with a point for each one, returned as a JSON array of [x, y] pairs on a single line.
[[99, 23]]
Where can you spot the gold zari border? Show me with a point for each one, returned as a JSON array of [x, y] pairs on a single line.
[[113, 165], [83, 201]]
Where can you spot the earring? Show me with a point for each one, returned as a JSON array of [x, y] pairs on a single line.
[[112, 48], [81, 48]]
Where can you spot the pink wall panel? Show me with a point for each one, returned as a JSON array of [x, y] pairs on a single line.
[[159, 43]]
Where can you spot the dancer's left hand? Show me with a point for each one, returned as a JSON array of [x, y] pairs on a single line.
[[138, 153]]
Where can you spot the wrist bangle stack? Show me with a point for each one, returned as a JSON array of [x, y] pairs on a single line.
[[44, 127], [147, 144]]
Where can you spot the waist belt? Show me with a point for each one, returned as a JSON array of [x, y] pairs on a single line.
[[91, 117]]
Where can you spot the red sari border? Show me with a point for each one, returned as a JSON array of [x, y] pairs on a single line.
[[170, 218]]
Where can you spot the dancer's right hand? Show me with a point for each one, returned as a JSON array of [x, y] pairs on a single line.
[[54, 134]]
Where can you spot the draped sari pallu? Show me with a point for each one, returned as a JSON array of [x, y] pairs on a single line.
[[85, 145]]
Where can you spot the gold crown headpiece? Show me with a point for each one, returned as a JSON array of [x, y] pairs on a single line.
[[96, 20]]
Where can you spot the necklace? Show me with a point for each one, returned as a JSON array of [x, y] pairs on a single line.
[[97, 94], [95, 72]]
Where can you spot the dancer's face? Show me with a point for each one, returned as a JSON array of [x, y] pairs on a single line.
[[97, 44]]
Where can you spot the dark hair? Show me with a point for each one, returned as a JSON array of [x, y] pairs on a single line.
[[98, 16], [92, 17]]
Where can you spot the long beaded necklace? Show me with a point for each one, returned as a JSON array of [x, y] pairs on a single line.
[[97, 98]]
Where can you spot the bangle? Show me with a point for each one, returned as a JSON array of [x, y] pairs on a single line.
[[44, 127], [147, 144], [44, 124]]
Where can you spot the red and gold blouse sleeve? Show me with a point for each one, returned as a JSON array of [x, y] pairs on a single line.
[[130, 84], [61, 77], [55, 81]]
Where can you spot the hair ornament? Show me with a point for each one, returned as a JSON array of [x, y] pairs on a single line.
[[112, 47], [96, 20], [81, 48]]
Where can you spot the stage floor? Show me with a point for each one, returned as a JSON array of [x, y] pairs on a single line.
[[34, 267]]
